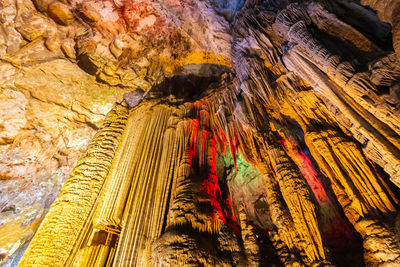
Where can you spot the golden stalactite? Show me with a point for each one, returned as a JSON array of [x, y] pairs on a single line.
[[291, 203], [183, 209], [196, 140], [363, 193], [137, 222], [365, 197], [101, 239], [331, 24], [308, 110], [161, 256], [280, 214], [355, 100], [283, 251], [181, 167], [299, 200], [362, 206], [68, 216], [288, 194]]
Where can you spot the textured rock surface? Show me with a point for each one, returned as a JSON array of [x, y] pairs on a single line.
[[239, 133]]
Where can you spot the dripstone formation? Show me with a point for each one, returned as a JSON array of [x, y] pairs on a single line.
[[200, 133]]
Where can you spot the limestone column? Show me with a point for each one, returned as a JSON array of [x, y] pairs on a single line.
[[60, 230]]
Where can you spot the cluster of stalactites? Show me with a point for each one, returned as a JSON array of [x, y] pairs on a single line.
[[245, 124], [200, 224], [332, 102]]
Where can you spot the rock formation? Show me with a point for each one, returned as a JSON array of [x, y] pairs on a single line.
[[199, 133]]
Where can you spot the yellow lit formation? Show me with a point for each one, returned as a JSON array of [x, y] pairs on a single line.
[[197, 57]]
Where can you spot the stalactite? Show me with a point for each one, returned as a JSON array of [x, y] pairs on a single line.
[[380, 146], [282, 250], [363, 198], [385, 72], [68, 215], [176, 247], [282, 219], [299, 200], [378, 196], [355, 84], [183, 210], [291, 224], [332, 25], [332, 224], [137, 223], [306, 53], [109, 209], [196, 207]]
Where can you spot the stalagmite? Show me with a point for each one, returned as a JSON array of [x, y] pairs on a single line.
[[68, 217], [251, 247]]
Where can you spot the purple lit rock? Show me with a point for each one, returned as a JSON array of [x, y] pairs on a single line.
[[133, 98]]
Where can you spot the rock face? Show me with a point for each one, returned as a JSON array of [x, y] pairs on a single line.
[[199, 133]]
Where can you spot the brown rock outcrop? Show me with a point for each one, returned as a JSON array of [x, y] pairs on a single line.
[[388, 11]]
